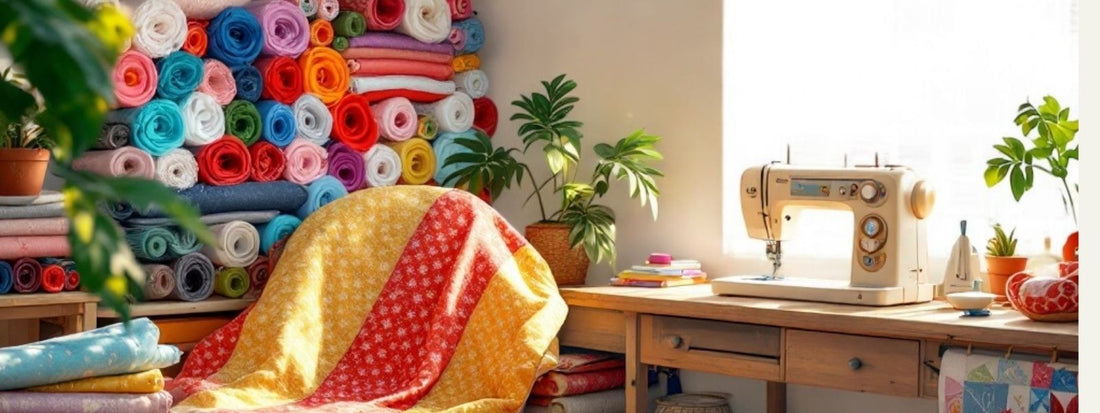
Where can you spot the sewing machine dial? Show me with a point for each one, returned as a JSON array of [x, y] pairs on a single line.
[[872, 237]]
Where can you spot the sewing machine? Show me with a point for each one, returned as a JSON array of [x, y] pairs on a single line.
[[889, 252]]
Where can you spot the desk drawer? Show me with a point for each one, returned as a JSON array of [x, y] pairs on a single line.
[[595, 329], [747, 350], [865, 364]]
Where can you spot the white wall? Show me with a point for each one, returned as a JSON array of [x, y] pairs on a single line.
[[653, 64]]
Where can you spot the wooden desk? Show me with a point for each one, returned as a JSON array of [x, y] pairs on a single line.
[[19, 314], [886, 350]]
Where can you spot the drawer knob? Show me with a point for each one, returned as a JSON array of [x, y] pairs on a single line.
[[672, 341], [855, 363]]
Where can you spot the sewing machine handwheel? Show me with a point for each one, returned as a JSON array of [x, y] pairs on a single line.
[[855, 363], [923, 199]]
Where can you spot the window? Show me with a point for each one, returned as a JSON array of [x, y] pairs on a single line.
[[928, 84]]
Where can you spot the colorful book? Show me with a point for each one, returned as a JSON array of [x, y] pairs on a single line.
[[664, 271], [632, 275], [657, 284], [675, 264]]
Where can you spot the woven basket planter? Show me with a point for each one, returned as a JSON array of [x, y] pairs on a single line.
[[551, 240]]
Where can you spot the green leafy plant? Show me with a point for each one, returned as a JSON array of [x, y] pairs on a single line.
[[546, 125], [22, 132], [1052, 151], [1001, 244], [66, 53]]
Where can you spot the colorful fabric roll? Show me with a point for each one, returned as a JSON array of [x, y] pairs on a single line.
[[328, 9], [159, 281], [386, 40], [177, 169], [160, 28], [258, 274], [389, 67], [278, 228], [475, 34], [460, 9], [472, 82], [349, 24], [53, 278], [135, 79], [305, 161], [125, 161], [6, 277], [353, 123], [277, 122], [194, 278], [285, 28], [417, 160], [428, 21], [189, 239], [249, 196], [207, 9], [457, 39], [34, 226], [231, 282], [326, 74], [426, 127], [282, 79], [203, 119], [120, 211], [383, 166], [27, 275], [238, 243], [250, 83], [20, 402], [485, 115], [51, 210], [156, 127], [466, 62], [381, 15], [320, 33], [321, 193], [243, 121], [396, 118], [372, 53], [38, 246], [151, 244], [113, 135], [218, 81], [235, 37], [145, 382], [268, 161], [185, 242], [340, 43], [72, 278], [454, 113], [179, 74], [445, 146], [347, 166], [225, 161], [313, 119], [196, 41], [372, 84]]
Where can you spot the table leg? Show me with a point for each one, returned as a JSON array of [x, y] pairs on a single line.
[[777, 397], [90, 316], [637, 373]]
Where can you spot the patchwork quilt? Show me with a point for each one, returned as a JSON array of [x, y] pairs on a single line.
[[985, 383]]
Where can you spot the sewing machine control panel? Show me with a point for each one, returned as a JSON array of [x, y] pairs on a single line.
[[872, 236], [868, 191]]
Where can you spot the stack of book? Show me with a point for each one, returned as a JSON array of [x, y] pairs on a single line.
[[669, 274]]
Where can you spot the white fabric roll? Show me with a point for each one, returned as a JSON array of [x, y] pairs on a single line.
[[125, 161], [313, 119], [474, 83], [428, 21], [328, 9], [203, 119], [454, 113], [177, 169], [160, 27], [366, 84], [383, 166], [238, 244], [207, 9]]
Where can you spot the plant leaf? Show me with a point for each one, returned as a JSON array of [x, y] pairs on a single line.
[[1018, 183]]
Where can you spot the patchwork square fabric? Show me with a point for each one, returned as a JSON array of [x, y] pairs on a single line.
[[991, 383]]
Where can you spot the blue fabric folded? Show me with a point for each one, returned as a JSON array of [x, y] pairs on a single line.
[[475, 34], [110, 350], [6, 277], [322, 191], [284, 196], [249, 82], [277, 229], [444, 146], [279, 125], [178, 74], [156, 127], [234, 37]]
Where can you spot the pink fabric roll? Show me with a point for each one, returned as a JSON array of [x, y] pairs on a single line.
[[457, 38], [391, 67], [285, 28], [328, 9], [305, 161], [135, 79], [381, 15], [124, 161], [396, 118], [33, 226], [218, 82], [51, 246], [460, 9], [402, 54]]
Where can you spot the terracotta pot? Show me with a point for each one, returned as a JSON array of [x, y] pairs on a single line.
[[551, 240], [22, 171], [999, 269]]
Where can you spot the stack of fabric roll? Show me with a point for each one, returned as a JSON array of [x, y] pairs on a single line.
[[57, 375], [34, 246], [584, 381]]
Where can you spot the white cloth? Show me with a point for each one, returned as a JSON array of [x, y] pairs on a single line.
[[203, 119], [207, 9], [454, 113], [428, 21], [177, 169], [474, 83], [238, 244], [328, 9], [383, 166], [366, 84], [160, 27], [313, 119]]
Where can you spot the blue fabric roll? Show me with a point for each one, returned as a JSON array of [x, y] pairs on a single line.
[[475, 34], [322, 191], [234, 37], [156, 127], [279, 125], [5, 277], [444, 145], [109, 350], [178, 74], [283, 196], [276, 229], [249, 82]]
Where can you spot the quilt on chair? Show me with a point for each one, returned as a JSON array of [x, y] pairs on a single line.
[[399, 298]]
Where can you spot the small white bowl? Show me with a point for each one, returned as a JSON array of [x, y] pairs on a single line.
[[970, 300]]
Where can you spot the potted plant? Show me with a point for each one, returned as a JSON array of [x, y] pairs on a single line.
[[578, 230], [24, 150], [1001, 260]]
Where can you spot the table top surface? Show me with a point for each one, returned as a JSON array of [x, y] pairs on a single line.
[[26, 300]]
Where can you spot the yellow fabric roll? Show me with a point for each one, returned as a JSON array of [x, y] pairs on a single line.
[[150, 381], [466, 62], [417, 160]]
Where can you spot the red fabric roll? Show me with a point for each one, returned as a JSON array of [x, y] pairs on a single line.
[[353, 123], [72, 280], [460, 9], [268, 161], [196, 40], [258, 273], [386, 67], [413, 95], [282, 79], [485, 115], [381, 15], [53, 278], [225, 161]]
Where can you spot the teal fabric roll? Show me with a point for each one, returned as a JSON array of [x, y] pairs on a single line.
[[279, 124], [235, 37], [155, 127], [276, 229], [444, 146], [475, 34], [322, 191], [178, 74], [186, 242], [151, 244], [110, 350], [6, 276]]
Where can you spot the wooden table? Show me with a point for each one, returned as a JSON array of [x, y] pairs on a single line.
[[19, 314], [885, 350]]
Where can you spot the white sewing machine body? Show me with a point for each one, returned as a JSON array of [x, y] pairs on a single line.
[[889, 251]]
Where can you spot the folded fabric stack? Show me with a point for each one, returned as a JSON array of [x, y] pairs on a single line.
[[57, 375], [34, 245], [584, 381]]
